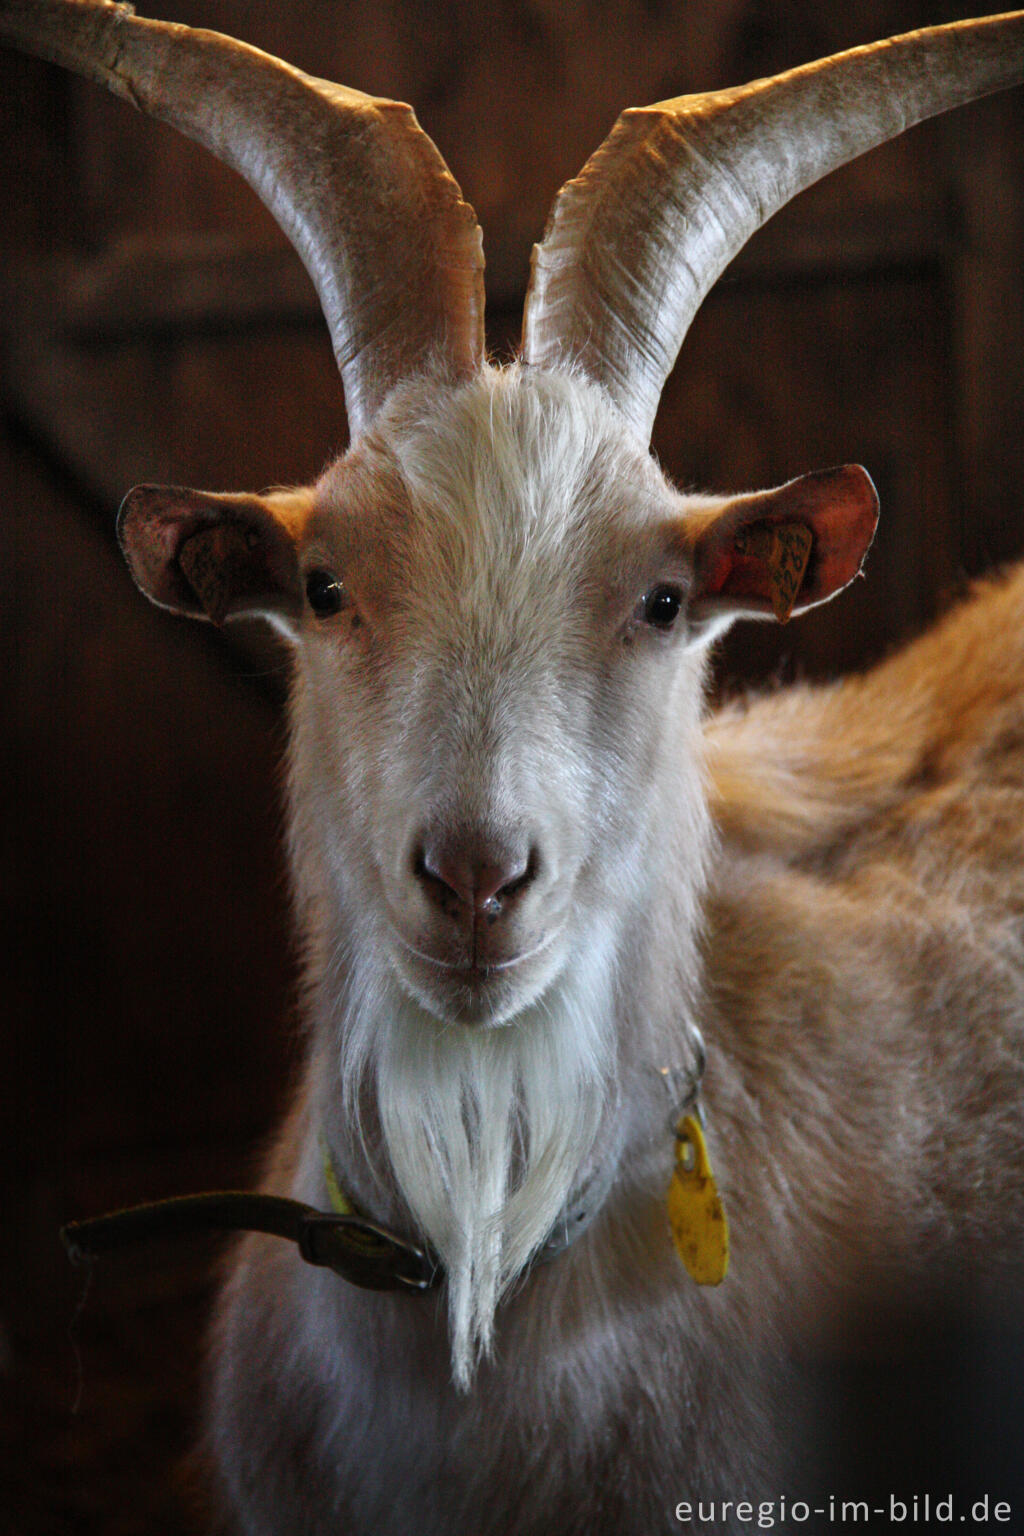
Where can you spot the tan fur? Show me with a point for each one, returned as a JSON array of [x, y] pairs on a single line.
[[866, 953], [802, 772]]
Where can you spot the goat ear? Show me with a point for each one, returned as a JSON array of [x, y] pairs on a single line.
[[214, 556], [779, 552]]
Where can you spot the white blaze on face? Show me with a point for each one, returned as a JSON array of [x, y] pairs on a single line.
[[488, 1132]]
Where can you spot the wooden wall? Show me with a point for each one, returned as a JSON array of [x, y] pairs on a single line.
[[154, 327]]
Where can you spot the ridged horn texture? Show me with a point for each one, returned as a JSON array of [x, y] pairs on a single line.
[[636, 240], [357, 186]]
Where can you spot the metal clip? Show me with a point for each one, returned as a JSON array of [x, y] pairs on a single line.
[[365, 1254], [683, 1085]]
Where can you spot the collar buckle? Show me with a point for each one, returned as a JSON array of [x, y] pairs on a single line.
[[365, 1254]]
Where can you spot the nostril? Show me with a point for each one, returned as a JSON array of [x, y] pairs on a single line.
[[480, 875], [445, 878], [522, 877], [494, 881]]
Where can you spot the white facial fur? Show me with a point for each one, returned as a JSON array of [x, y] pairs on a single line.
[[489, 678]]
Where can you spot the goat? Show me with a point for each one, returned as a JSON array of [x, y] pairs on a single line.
[[535, 884]]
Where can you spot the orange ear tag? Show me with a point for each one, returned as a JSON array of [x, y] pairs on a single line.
[[785, 548], [695, 1210]]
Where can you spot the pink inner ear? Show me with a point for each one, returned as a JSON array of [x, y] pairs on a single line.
[[153, 523], [200, 553], [843, 530], [736, 575], [839, 506]]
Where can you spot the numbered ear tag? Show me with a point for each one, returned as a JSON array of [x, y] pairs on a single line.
[[785, 549], [695, 1210]]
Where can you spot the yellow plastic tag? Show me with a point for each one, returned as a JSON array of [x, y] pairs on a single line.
[[695, 1210], [785, 548]]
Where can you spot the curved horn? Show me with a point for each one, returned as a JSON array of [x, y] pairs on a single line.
[[636, 240], [356, 185]]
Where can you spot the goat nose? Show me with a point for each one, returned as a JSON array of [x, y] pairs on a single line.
[[479, 876]]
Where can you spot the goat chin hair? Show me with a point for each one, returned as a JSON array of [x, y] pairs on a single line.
[[486, 1131]]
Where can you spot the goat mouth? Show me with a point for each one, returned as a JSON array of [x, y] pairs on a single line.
[[478, 969], [471, 990]]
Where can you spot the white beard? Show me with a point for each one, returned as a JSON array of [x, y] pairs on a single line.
[[487, 1130]]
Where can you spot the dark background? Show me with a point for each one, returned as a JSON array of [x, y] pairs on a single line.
[[155, 327]]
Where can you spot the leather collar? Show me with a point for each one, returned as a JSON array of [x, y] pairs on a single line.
[[360, 1250]]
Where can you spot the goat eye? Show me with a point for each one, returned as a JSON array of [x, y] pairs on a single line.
[[325, 593], [661, 607]]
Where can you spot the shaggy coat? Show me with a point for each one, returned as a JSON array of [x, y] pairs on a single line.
[[820, 881]]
